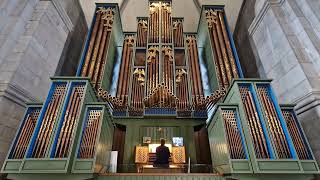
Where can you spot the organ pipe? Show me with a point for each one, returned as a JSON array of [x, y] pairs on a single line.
[[254, 123], [96, 54], [125, 70], [224, 60], [48, 122]]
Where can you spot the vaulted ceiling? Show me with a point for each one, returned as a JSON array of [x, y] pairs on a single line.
[[189, 9]]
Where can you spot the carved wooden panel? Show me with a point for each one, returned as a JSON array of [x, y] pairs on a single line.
[[142, 153], [178, 155]]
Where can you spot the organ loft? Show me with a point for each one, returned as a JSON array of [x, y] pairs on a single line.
[[132, 89]]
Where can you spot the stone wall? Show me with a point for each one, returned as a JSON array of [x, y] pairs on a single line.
[[245, 48], [33, 35], [286, 36]]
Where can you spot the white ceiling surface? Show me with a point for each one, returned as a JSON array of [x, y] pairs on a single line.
[[180, 8]]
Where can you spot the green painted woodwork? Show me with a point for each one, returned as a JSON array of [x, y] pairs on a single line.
[[218, 144], [278, 165], [308, 166], [57, 165], [50, 176], [161, 177], [116, 39], [206, 47], [12, 165], [104, 140], [271, 177], [38, 165]]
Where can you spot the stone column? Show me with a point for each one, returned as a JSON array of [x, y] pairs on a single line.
[[286, 35], [32, 38]]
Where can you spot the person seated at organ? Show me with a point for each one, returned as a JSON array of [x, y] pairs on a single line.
[[162, 154]]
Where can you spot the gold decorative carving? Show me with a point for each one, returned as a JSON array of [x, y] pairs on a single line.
[[141, 75], [211, 17], [152, 53], [168, 52], [179, 74]]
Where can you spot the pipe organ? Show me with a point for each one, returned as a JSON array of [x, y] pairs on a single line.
[[178, 37], [157, 76], [164, 72]]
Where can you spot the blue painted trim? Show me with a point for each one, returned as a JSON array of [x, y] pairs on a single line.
[[241, 133], [234, 50], [263, 125], [41, 116], [159, 111], [282, 121], [85, 49]]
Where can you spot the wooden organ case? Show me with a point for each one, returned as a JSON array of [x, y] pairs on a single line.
[[152, 82]]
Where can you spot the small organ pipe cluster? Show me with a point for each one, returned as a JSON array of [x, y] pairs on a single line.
[[254, 123], [50, 118], [95, 58], [48, 131], [89, 137], [24, 136], [251, 127], [273, 122], [72, 113], [160, 68], [178, 33], [142, 33], [160, 64], [268, 126], [233, 135], [125, 70], [296, 133], [198, 99], [224, 60]]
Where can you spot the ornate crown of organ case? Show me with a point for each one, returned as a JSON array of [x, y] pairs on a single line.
[[159, 83]]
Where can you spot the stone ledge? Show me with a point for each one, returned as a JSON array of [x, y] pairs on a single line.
[[262, 12], [62, 13], [17, 94], [307, 102]]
